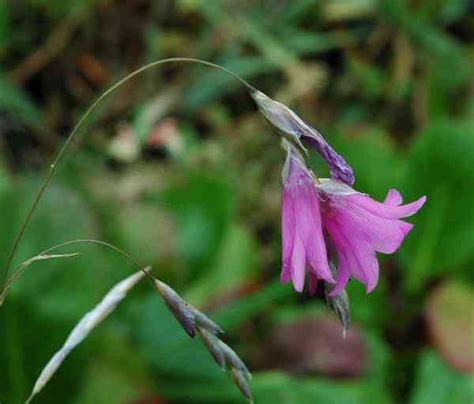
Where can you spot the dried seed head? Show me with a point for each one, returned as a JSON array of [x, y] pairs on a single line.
[[233, 361], [206, 323], [194, 321], [212, 344], [241, 381], [181, 310]]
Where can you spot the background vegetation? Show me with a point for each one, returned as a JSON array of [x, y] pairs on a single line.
[[180, 170]]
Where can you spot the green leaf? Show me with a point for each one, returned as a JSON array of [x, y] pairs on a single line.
[[277, 387], [231, 316], [449, 60], [440, 166], [107, 380], [58, 9], [62, 289], [166, 346], [235, 265], [376, 161], [4, 27], [436, 383], [370, 80], [16, 102], [202, 207]]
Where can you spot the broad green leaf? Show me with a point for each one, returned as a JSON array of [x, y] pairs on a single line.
[[235, 265], [376, 161], [28, 338], [63, 289], [280, 388], [231, 316], [201, 206], [276, 387], [436, 383], [166, 346], [440, 167], [107, 380]]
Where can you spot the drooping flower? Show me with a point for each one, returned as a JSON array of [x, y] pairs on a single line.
[[359, 226], [303, 249], [284, 119]]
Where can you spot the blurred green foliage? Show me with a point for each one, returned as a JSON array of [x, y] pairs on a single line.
[[180, 170]]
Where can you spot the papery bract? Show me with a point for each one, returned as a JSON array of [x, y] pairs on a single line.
[[291, 124]]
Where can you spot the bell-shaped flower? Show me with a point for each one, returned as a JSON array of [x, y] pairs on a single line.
[[359, 226], [303, 249]]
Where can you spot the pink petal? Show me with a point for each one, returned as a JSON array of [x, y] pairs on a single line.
[[288, 224], [382, 210], [298, 263], [359, 255], [344, 248], [384, 235], [372, 272], [393, 198], [342, 277], [310, 229], [285, 274], [367, 263]]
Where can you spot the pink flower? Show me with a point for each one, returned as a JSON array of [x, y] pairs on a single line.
[[302, 235], [359, 226]]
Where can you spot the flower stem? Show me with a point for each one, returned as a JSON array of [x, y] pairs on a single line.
[[22, 267], [75, 130]]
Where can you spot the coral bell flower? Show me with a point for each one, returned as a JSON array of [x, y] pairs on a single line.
[[359, 226], [304, 249]]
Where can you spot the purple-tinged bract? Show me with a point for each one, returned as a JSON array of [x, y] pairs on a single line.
[[300, 132]]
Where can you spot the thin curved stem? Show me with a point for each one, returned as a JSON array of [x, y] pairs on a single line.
[[78, 126], [99, 242], [22, 267]]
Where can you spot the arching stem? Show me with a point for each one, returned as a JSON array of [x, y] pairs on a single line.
[[46, 252], [75, 130]]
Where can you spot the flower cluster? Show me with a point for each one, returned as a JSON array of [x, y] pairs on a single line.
[[326, 220]]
